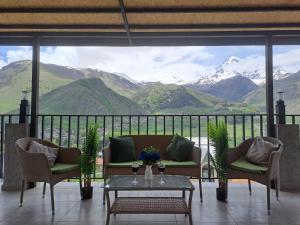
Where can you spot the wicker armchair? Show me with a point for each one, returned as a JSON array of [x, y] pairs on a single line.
[[35, 166], [239, 168]]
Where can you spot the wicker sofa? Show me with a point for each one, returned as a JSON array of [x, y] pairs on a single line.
[[191, 168]]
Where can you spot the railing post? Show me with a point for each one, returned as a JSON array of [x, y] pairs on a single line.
[[35, 86]]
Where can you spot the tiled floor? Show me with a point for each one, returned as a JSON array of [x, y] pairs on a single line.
[[70, 210]]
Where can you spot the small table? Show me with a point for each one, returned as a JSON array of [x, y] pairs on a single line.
[[149, 205]]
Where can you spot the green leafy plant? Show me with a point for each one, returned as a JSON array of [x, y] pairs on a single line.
[[89, 155], [218, 136]]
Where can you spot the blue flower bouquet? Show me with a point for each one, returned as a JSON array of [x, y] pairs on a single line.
[[149, 155]]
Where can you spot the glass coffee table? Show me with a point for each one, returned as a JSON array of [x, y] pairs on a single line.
[[149, 205]]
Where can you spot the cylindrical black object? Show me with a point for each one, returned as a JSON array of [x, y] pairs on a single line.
[[24, 111], [280, 111]]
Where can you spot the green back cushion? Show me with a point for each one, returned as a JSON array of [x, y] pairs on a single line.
[[122, 149], [180, 148]]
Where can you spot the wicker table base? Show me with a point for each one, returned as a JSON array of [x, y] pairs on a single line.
[[149, 205]]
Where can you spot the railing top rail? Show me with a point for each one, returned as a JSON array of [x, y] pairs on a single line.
[[153, 115], [219, 114]]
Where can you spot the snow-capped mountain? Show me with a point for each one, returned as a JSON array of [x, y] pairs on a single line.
[[235, 66]]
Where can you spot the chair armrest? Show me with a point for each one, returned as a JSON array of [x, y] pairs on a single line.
[[68, 155], [233, 154], [273, 164], [35, 166], [106, 156], [239, 151], [196, 155]]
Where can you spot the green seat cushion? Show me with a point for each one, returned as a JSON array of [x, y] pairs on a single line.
[[168, 163], [63, 168], [180, 148], [243, 165], [122, 149], [124, 164], [176, 164]]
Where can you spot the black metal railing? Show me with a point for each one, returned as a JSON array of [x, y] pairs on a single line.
[[71, 130]]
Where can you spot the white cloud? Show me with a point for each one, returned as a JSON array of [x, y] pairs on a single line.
[[139, 63], [165, 64], [288, 60], [20, 54]]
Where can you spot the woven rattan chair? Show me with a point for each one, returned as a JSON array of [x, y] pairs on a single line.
[[239, 168], [35, 166]]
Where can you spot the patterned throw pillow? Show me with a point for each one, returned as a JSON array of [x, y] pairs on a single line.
[[180, 148], [51, 153], [259, 152], [122, 149]]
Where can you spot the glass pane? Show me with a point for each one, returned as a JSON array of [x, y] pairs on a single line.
[[15, 76]]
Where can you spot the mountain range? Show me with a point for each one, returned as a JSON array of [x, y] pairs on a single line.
[[65, 90]]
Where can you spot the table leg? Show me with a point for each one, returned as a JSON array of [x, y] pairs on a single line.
[[116, 194], [190, 207], [107, 207]]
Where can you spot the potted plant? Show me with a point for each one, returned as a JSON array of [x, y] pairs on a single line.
[[149, 156], [88, 160], [218, 136]]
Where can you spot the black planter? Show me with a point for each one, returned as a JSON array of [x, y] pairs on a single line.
[[221, 194], [87, 193]]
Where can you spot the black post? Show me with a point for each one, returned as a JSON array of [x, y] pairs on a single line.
[[24, 109], [280, 109], [35, 86], [269, 87]]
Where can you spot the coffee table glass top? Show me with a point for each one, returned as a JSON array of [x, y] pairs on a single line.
[[172, 182]]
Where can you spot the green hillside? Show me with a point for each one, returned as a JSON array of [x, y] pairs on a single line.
[[157, 97], [16, 77], [87, 96], [291, 87], [117, 83]]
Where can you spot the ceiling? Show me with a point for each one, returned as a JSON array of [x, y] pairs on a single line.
[[146, 18]]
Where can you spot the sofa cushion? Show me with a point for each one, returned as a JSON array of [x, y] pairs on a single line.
[[124, 164], [122, 149], [51, 153], [168, 163], [243, 165], [63, 168], [180, 148], [176, 164], [259, 152]]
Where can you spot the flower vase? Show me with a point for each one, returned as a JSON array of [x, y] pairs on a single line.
[[148, 172]]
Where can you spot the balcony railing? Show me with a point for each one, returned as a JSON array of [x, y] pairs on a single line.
[[70, 130]]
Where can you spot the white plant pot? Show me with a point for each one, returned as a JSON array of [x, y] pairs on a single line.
[[148, 172]]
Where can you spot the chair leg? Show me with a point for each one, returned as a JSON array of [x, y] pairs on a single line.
[[268, 198], [22, 193], [80, 185], [277, 187], [52, 199], [200, 190], [104, 183], [249, 186], [44, 189]]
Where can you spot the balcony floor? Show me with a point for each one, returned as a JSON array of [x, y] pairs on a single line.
[[70, 210]]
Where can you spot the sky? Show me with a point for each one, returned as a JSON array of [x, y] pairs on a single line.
[[164, 64]]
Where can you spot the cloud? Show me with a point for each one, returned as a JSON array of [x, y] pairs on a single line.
[[21, 53], [165, 64], [139, 63]]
